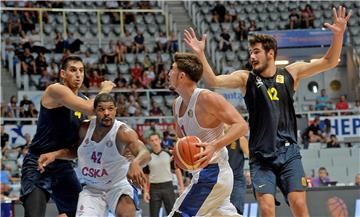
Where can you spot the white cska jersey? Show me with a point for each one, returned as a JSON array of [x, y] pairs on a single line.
[[101, 165]]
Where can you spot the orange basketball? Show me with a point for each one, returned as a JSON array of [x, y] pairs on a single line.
[[184, 151]]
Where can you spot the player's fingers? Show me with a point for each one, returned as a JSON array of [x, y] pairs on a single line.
[[348, 16], [187, 34], [192, 32]]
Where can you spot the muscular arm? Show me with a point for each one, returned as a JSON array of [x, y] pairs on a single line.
[[330, 59], [224, 112], [178, 132], [126, 135], [65, 153], [236, 79]]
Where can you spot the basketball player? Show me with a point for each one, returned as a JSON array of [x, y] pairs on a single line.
[[102, 162], [274, 155], [202, 113], [62, 109]]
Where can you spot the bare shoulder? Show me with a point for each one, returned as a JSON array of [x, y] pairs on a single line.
[[83, 128], [208, 99], [126, 134]]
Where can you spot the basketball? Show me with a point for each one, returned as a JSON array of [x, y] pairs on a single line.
[[184, 151], [337, 207]]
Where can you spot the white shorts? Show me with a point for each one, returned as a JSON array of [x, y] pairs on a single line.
[[208, 193], [95, 202]]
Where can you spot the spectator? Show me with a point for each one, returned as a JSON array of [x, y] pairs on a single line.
[[357, 180], [25, 105], [294, 19], [147, 62], [89, 61], [167, 143], [160, 80], [159, 174], [5, 180], [342, 105], [151, 130], [45, 80], [156, 110], [33, 112], [322, 101], [148, 77], [4, 140], [333, 143], [59, 43], [120, 53], [27, 21], [136, 72], [23, 152], [312, 133], [218, 13], [241, 31], [231, 14], [162, 42], [95, 79], [109, 53], [159, 64], [120, 81], [8, 48], [13, 107], [27, 62], [24, 40], [40, 63], [357, 107], [127, 42], [139, 42], [173, 43], [225, 41], [322, 179], [253, 27], [307, 17], [327, 130], [14, 24]]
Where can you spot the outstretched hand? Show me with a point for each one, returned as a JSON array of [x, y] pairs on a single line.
[[340, 20], [205, 156], [192, 42]]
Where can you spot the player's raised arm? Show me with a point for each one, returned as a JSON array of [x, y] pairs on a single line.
[[301, 70], [236, 79]]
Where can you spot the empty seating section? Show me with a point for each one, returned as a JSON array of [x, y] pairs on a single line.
[[269, 15]]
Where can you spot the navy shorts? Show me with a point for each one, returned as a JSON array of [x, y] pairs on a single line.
[[284, 171], [59, 181]]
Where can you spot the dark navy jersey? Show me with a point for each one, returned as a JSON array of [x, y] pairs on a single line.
[[56, 129], [272, 118], [236, 158]]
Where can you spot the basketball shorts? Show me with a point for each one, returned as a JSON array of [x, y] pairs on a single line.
[[59, 181], [96, 202], [208, 193], [285, 171]]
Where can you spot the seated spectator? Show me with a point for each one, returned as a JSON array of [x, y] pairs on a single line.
[[230, 15], [342, 105], [241, 31], [160, 81], [23, 152], [333, 143], [40, 63], [173, 43], [24, 40], [8, 48], [167, 143], [28, 21], [147, 62], [307, 17], [159, 63], [322, 179], [327, 130], [136, 72], [322, 101], [109, 53], [148, 77], [120, 81], [4, 140], [13, 107], [120, 53], [225, 43], [218, 13], [139, 42], [45, 80], [294, 19], [127, 42], [5, 180], [27, 62], [357, 180], [253, 27], [95, 79], [25, 105], [312, 133], [162, 42], [59, 43], [156, 110], [14, 24], [71, 43]]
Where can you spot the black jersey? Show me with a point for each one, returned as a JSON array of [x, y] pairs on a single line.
[[271, 112], [57, 128]]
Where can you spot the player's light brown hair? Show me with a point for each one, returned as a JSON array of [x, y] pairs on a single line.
[[190, 64]]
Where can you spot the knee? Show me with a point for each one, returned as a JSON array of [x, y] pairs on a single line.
[[298, 203], [267, 209], [125, 207]]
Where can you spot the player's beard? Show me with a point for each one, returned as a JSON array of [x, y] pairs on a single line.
[[259, 70]]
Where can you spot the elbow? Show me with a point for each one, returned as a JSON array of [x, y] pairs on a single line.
[[244, 129]]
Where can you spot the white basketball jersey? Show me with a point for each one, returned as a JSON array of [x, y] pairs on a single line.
[[191, 127], [100, 163]]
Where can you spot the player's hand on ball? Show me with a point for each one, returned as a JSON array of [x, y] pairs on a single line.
[[205, 156]]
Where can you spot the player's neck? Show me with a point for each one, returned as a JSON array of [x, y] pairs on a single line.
[[187, 92], [269, 71], [100, 132]]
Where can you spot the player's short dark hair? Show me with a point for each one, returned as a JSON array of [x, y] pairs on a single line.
[[67, 59], [104, 97], [190, 64], [268, 42]]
